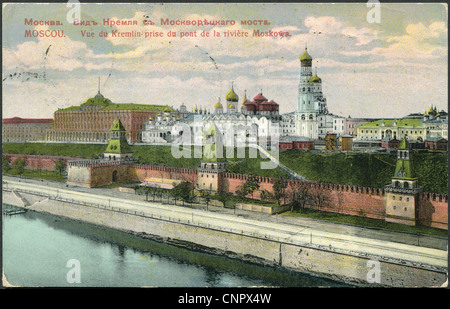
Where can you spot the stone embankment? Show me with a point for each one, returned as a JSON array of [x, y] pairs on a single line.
[[342, 256]]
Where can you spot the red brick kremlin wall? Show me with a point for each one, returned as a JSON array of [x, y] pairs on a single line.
[[344, 199], [37, 162]]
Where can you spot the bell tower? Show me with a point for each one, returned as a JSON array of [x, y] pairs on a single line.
[[402, 194]]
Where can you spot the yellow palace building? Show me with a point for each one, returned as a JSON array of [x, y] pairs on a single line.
[[416, 127], [411, 128]]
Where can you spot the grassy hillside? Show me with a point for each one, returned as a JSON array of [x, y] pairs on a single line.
[[87, 151], [372, 170], [364, 169]]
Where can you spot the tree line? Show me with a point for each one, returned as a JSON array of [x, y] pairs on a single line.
[[20, 164], [298, 197]]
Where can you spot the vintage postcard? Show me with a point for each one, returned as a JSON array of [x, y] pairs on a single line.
[[224, 145]]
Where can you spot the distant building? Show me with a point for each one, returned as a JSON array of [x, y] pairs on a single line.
[[436, 123], [160, 129], [346, 142], [330, 141], [287, 124], [296, 142], [414, 127], [254, 120], [91, 121], [390, 143], [436, 143], [351, 124], [260, 106], [378, 130], [25, 129]]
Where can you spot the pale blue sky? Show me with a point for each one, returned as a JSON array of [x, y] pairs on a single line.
[[385, 69]]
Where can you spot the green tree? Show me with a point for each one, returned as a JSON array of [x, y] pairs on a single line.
[[206, 195], [184, 191], [279, 189], [6, 164], [19, 165], [318, 197], [60, 166], [223, 197], [242, 192], [251, 185], [299, 197], [265, 195]]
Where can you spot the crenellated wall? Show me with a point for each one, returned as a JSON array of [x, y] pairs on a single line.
[[164, 173], [38, 162], [432, 209]]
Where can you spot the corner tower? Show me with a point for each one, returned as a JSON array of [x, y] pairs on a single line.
[[402, 194]]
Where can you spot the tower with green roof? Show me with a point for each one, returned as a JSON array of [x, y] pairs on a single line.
[[118, 148], [213, 162], [402, 193]]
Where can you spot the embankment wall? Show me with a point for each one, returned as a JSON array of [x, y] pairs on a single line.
[[300, 258], [432, 209]]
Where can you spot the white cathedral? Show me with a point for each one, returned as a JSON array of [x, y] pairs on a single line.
[[311, 120]]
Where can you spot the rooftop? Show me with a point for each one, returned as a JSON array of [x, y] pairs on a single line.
[[401, 122], [121, 106], [16, 120]]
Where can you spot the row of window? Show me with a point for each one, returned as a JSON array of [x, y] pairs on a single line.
[[395, 207], [402, 131], [400, 198], [207, 176]]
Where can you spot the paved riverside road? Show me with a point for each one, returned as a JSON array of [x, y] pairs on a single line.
[[306, 233]]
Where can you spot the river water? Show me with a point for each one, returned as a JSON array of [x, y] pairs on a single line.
[[41, 250]]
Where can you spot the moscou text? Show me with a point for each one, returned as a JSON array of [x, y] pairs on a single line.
[[124, 28]]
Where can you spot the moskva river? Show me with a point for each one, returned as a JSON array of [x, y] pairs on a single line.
[[41, 250]]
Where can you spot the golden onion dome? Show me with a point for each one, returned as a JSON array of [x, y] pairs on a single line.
[[304, 56], [315, 79], [231, 96]]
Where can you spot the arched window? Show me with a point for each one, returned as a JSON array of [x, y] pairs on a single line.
[[303, 117], [310, 117], [406, 185]]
